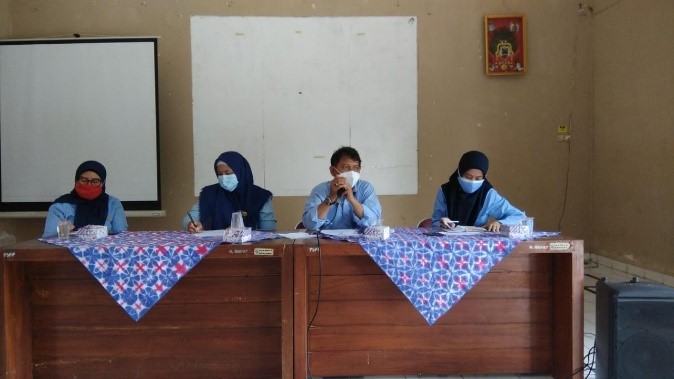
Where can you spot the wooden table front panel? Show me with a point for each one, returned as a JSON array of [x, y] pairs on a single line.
[[365, 326], [223, 319]]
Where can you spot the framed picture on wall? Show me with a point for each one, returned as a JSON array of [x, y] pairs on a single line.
[[505, 45]]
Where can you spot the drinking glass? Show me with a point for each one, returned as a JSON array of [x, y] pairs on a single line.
[[529, 221], [237, 220], [63, 229]]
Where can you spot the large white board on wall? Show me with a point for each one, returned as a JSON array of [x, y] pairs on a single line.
[[286, 92]]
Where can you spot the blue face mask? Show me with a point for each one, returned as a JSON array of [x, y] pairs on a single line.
[[228, 182], [470, 186]]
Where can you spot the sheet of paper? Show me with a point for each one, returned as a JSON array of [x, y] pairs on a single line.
[[297, 235], [462, 231], [211, 233], [341, 232]]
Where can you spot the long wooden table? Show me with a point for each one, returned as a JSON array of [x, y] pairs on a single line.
[[525, 316], [242, 315], [230, 317]]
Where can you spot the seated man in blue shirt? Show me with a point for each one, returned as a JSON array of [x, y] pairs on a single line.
[[345, 202]]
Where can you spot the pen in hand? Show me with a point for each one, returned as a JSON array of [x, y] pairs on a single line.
[[447, 223], [195, 226]]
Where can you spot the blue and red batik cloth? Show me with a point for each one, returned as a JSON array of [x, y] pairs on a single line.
[[138, 268], [435, 271]]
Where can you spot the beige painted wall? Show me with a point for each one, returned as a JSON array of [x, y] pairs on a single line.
[[4, 19], [512, 119], [633, 183]]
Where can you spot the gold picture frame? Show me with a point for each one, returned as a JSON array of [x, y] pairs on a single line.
[[505, 45]]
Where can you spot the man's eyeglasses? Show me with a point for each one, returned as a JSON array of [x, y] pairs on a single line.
[[93, 182]]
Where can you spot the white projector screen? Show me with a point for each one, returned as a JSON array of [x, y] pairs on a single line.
[[65, 101], [286, 92]]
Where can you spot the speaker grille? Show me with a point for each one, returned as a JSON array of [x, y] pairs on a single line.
[[635, 331], [645, 355]]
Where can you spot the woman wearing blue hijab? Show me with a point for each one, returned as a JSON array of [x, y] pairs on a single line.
[[234, 192], [470, 199], [87, 203]]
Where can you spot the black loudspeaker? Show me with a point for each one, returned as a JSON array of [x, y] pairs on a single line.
[[635, 330]]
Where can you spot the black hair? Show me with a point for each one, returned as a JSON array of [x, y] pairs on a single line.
[[344, 151]]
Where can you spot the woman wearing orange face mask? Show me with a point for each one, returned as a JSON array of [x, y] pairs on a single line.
[[87, 203]]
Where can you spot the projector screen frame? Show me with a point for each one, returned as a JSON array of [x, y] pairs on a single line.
[[148, 202]]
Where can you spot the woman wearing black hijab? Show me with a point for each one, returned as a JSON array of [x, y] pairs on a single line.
[[87, 203], [235, 192], [469, 199]]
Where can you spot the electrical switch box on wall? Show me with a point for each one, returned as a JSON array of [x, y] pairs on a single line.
[[563, 134]]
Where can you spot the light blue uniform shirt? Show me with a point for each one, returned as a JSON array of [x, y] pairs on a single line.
[[495, 206], [341, 215], [115, 222], [266, 218]]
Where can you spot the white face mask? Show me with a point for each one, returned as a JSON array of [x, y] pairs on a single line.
[[470, 186], [351, 177], [228, 182]]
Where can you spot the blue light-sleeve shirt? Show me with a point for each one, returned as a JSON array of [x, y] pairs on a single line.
[[341, 215], [115, 222], [266, 218], [495, 206]]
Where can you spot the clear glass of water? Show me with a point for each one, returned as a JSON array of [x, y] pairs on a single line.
[[529, 221], [63, 229], [237, 220]]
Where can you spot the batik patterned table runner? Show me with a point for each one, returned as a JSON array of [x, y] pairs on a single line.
[[138, 268], [433, 271]]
